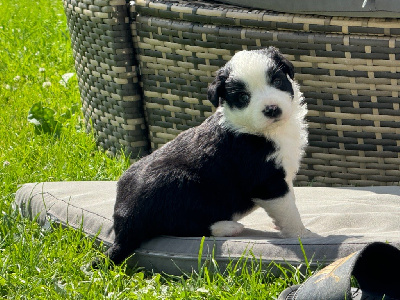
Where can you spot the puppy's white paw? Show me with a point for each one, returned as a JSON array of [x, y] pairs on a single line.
[[226, 228], [304, 233], [309, 234]]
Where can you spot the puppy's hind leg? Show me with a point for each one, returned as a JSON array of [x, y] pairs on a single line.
[[118, 252], [125, 241]]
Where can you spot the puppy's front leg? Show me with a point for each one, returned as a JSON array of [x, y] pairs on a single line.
[[285, 215]]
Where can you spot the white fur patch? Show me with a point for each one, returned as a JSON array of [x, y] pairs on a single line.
[[285, 215], [251, 67], [226, 228], [291, 137]]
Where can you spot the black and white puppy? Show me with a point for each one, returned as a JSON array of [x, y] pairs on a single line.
[[244, 156]]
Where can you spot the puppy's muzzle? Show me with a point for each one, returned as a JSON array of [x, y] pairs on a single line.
[[272, 111]]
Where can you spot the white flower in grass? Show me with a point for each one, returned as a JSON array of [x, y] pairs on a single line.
[[7, 87], [17, 78], [6, 163], [46, 84], [65, 78], [41, 70], [203, 290]]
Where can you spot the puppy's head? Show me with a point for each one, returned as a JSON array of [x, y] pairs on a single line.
[[256, 90]]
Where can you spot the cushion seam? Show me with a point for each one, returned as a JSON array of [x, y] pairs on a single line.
[[76, 227], [72, 223], [70, 204]]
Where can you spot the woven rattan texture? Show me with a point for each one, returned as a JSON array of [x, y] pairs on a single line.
[[349, 72], [107, 73]]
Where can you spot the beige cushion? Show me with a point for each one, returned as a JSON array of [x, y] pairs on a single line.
[[350, 8], [346, 218]]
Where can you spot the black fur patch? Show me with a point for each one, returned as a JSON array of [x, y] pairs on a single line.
[[216, 90], [279, 80], [236, 94], [281, 62]]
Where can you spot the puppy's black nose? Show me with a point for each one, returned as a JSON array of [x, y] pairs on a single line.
[[272, 111]]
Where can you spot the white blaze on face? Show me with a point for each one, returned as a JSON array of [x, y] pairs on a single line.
[[251, 67]]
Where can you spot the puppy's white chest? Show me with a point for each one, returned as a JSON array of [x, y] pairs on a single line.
[[290, 161], [290, 143]]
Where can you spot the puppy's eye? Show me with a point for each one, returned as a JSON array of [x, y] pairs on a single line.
[[277, 82], [244, 97]]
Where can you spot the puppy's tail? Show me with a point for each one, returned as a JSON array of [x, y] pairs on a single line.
[[117, 253]]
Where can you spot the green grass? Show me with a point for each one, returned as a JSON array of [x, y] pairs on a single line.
[[36, 263]]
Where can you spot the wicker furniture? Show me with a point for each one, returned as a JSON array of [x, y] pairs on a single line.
[[107, 74], [144, 68]]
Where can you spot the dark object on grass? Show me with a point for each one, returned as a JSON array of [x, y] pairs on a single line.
[[375, 267]]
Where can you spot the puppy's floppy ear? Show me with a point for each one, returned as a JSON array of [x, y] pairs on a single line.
[[282, 62], [216, 89], [288, 67]]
